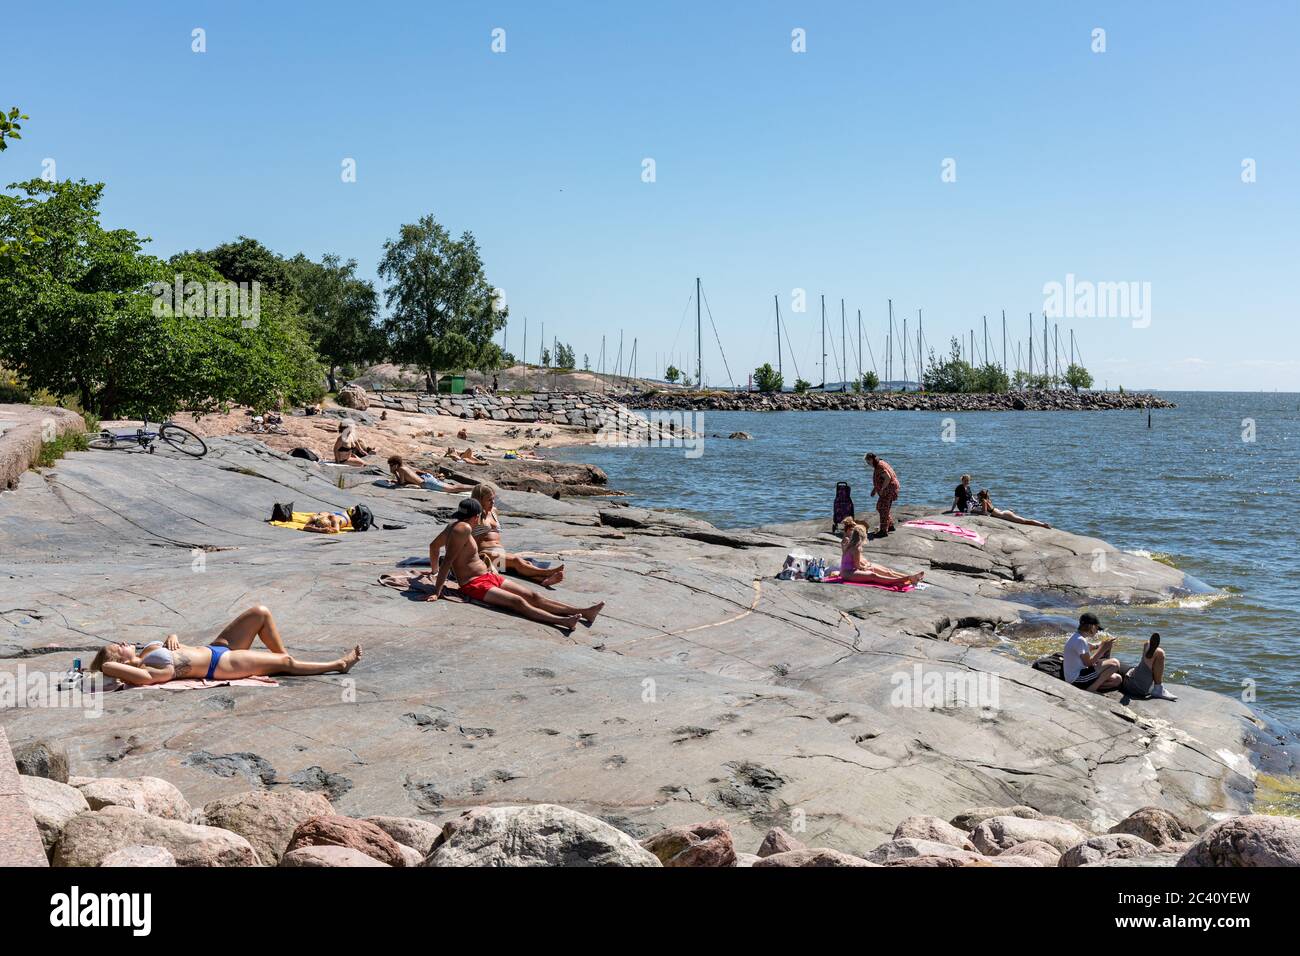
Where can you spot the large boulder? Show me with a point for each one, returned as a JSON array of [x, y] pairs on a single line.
[[818, 856], [328, 855], [1156, 825], [335, 830], [266, 820], [39, 758], [1000, 833], [353, 396], [968, 820], [1044, 853], [52, 805], [150, 795], [90, 837], [906, 848], [778, 841], [417, 834], [1253, 840], [1112, 846], [541, 835], [923, 827], [140, 855], [700, 844]]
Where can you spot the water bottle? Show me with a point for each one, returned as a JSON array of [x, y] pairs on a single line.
[[73, 678]]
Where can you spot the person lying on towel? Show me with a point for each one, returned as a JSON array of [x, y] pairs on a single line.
[[477, 581], [230, 656]]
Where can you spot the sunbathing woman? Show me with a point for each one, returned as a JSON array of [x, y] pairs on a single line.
[[229, 657], [349, 449], [328, 522], [408, 477], [855, 568], [984, 506], [488, 534], [466, 456]]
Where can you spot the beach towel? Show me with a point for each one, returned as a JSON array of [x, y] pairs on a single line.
[[900, 588], [947, 527], [300, 519], [411, 582], [201, 684]]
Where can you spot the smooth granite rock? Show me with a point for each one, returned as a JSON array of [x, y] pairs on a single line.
[[1156, 826], [151, 795], [336, 830], [541, 835], [418, 834], [327, 855], [1000, 833], [40, 758], [52, 805], [923, 827], [1253, 840], [700, 844], [90, 837], [266, 820], [1112, 846], [778, 841], [815, 857], [140, 855]]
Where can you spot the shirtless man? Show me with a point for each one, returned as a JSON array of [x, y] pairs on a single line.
[[476, 580]]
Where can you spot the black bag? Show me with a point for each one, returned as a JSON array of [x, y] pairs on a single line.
[[280, 512], [304, 453], [362, 518], [1053, 665]]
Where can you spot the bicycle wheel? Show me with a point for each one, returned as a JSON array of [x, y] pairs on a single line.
[[107, 441], [183, 440]]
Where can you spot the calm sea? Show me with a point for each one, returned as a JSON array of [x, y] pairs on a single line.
[[1210, 487]]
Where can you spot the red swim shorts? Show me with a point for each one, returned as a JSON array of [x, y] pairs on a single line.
[[477, 588]]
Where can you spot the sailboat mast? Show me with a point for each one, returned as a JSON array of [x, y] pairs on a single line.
[[823, 342], [904, 351], [1004, 341], [889, 360], [699, 339], [844, 353], [777, 305]]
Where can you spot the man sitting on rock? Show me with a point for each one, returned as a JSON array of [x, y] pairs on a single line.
[[479, 582], [1089, 666]]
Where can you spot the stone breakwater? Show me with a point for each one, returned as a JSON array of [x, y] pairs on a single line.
[[1032, 401], [148, 822], [589, 410]]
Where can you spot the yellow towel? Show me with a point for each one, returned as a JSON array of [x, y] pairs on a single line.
[[300, 519]]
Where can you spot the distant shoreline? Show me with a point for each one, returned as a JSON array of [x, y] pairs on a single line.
[[1033, 401]]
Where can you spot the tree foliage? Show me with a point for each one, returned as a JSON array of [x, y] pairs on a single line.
[[10, 125], [672, 374], [443, 310], [1077, 377], [870, 381], [768, 379], [340, 311]]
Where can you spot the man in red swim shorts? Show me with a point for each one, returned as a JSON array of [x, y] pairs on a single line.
[[884, 488], [478, 582]]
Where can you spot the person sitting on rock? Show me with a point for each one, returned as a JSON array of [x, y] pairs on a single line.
[[1146, 679], [349, 449], [408, 477], [884, 488], [478, 582], [984, 506], [230, 656], [1089, 666], [466, 456], [855, 568], [490, 545], [962, 497]]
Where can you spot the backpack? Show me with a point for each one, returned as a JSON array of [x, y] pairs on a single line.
[[362, 518], [281, 512], [304, 453], [795, 567], [843, 504], [1053, 665]]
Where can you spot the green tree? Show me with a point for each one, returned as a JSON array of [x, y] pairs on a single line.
[[1077, 377], [767, 379], [672, 374], [9, 126], [801, 385], [870, 381], [952, 374], [247, 260], [990, 377], [586, 362], [340, 310], [443, 311]]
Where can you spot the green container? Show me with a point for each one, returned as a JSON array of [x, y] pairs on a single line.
[[452, 384]]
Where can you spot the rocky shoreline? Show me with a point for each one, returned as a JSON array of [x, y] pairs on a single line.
[[707, 691], [1033, 401]]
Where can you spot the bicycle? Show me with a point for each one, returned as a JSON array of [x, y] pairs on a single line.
[[177, 436]]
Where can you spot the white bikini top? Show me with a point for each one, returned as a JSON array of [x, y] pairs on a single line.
[[158, 657]]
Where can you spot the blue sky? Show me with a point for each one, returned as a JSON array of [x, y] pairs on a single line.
[[774, 170]]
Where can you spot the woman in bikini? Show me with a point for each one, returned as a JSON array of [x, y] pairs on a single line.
[[466, 456], [408, 477], [488, 535], [230, 656], [855, 568], [328, 522], [984, 506], [349, 449]]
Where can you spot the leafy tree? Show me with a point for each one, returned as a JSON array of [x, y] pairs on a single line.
[[768, 379], [564, 357], [870, 381], [952, 374], [672, 374], [801, 386], [247, 260], [990, 377], [340, 310], [444, 312], [9, 126], [586, 362], [81, 315], [546, 357], [1077, 377]]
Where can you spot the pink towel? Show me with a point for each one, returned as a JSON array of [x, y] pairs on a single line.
[[901, 588], [947, 527], [199, 684]]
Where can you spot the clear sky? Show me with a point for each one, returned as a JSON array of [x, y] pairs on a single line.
[[773, 170]]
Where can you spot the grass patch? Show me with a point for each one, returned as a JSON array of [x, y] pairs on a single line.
[[52, 451]]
